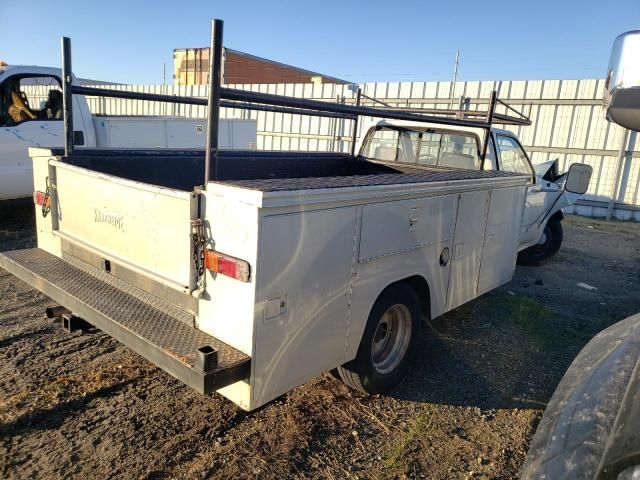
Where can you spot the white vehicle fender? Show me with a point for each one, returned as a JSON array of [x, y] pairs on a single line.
[[365, 296]]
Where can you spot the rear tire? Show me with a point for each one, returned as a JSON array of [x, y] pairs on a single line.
[[537, 255], [388, 343]]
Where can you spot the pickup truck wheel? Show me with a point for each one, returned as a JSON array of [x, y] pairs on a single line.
[[547, 247], [388, 342]]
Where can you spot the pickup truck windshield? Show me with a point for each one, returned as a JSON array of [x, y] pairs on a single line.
[[427, 147]]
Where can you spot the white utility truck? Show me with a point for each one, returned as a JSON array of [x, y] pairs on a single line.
[[251, 272], [31, 116]]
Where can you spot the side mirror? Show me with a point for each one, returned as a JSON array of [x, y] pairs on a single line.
[[622, 87], [578, 178]]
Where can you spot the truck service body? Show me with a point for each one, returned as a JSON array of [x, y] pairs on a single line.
[[320, 251], [40, 88], [271, 267]]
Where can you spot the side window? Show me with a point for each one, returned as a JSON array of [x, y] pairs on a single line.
[[30, 98], [512, 156]]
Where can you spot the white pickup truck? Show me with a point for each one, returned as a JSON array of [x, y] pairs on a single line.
[[31, 116], [250, 272], [413, 143]]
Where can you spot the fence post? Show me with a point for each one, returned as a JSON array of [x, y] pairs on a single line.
[[616, 180]]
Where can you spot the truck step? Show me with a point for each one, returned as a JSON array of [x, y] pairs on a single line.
[[197, 359]]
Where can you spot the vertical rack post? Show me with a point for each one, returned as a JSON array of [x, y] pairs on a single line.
[[487, 137], [67, 96], [354, 135], [213, 106]]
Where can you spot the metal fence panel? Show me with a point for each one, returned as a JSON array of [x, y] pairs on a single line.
[[568, 123]]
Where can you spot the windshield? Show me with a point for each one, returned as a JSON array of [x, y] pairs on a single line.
[[423, 147]]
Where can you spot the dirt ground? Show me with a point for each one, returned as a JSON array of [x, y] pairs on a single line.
[[83, 406]]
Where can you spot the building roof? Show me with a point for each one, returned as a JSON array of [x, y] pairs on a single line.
[[302, 71]]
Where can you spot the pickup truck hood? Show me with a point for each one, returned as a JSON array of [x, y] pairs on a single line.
[[549, 171], [542, 168]]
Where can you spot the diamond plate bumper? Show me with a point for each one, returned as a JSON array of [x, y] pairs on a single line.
[[121, 312]]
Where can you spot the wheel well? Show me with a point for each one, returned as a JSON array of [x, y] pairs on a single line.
[[421, 287], [556, 217]]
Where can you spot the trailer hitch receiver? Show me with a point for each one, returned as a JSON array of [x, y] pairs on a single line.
[[206, 358], [71, 323], [56, 312]]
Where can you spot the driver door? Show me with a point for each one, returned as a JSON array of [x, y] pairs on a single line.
[[512, 158]]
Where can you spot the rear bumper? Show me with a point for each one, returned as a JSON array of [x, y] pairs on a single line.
[[132, 317]]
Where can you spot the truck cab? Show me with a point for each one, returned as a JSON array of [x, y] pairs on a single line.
[[433, 145], [31, 116]]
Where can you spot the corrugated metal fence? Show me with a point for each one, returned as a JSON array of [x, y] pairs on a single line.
[[568, 123]]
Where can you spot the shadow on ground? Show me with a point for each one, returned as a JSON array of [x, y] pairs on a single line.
[[501, 351]]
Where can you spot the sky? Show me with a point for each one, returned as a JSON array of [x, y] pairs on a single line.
[[359, 41]]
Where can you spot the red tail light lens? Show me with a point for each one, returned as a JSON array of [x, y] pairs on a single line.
[[39, 198], [228, 266]]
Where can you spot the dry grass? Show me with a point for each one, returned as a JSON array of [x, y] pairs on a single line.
[[68, 387]]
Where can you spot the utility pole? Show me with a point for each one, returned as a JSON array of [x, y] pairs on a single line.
[[455, 78]]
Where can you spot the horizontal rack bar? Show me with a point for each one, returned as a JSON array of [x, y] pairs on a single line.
[[156, 97], [302, 106]]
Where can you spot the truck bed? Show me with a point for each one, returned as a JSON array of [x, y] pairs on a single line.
[[263, 170], [400, 177]]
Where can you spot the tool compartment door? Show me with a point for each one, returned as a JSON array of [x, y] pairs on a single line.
[[389, 228], [467, 248], [501, 238], [143, 227], [303, 282]]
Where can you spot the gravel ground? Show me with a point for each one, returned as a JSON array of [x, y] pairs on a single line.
[[83, 406]]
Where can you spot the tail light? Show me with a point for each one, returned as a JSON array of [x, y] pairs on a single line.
[[43, 200], [228, 266], [39, 198]]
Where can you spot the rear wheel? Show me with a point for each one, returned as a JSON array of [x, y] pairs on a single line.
[[546, 248], [388, 342]]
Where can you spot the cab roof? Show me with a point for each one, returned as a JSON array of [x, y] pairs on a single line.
[[435, 126], [29, 70]]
